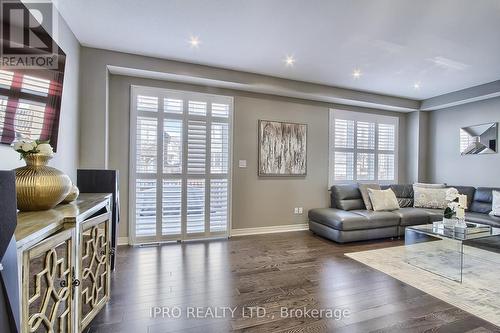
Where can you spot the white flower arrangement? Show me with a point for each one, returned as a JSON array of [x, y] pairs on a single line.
[[457, 204], [29, 147]]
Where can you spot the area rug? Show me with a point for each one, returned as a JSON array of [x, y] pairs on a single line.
[[479, 292]]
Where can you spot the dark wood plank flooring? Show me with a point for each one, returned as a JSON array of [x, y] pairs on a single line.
[[294, 270]]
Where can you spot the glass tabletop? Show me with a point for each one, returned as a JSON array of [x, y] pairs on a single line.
[[473, 231]]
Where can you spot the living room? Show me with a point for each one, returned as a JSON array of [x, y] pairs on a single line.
[[210, 166]]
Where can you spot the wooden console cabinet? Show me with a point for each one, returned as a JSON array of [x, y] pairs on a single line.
[[64, 257]]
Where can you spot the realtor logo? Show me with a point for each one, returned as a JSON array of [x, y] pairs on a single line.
[[27, 33]]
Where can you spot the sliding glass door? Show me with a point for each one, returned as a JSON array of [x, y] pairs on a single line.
[[180, 165]]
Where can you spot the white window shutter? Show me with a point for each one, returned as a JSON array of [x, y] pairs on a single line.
[[218, 204], [344, 133], [197, 146], [197, 108], [172, 146], [219, 159], [195, 205], [147, 103], [365, 165], [363, 147], [146, 145], [365, 135], [172, 105], [171, 206], [145, 207], [344, 165], [181, 179], [386, 137]]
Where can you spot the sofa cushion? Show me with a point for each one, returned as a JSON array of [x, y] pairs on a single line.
[[483, 218], [482, 200], [404, 194], [435, 215], [378, 219], [346, 197], [352, 220], [412, 216], [363, 189]]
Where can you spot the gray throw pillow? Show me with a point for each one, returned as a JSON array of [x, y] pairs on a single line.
[[363, 188]]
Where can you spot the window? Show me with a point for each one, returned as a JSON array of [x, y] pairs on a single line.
[[363, 147], [180, 164]]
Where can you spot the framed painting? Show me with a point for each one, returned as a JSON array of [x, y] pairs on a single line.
[[282, 149]]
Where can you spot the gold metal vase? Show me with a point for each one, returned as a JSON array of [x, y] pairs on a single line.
[[38, 186]]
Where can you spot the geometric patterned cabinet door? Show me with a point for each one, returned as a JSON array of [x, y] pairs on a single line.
[[95, 267], [48, 284]]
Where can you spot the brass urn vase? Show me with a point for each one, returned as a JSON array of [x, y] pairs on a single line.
[[38, 186]]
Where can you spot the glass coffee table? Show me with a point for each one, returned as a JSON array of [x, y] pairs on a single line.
[[453, 252]]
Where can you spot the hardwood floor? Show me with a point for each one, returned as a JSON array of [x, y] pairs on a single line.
[[294, 270]]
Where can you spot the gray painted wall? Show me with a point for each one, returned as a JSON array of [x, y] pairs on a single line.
[[94, 84], [257, 202], [66, 158], [445, 164], [412, 146]]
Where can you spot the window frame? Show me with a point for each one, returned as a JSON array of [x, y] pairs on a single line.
[[361, 117], [184, 176]]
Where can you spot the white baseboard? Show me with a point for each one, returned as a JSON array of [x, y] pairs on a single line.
[[122, 240], [250, 231], [269, 230]]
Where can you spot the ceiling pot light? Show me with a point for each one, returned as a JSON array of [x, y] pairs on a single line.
[[194, 41], [416, 85], [289, 61]]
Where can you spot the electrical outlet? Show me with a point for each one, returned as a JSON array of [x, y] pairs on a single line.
[[296, 210], [301, 210]]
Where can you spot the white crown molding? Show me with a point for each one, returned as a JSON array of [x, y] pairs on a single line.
[[464, 96], [269, 230]]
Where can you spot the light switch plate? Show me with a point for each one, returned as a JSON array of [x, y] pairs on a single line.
[[242, 163]]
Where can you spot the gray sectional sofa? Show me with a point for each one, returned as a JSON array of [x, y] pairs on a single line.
[[348, 220]]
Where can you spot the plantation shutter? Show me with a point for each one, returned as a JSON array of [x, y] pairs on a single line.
[[182, 165], [363, 147]]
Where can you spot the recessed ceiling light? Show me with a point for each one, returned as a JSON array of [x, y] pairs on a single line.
[[356, 74], [194, 41], [416, 85], [289, 61]]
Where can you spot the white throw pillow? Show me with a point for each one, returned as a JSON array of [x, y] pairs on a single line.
[[383, 200], [424, 197], [495, 204]]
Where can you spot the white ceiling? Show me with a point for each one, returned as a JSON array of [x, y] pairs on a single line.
[[444, 45]]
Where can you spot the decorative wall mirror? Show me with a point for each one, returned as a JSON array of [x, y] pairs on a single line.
[[479, 139]]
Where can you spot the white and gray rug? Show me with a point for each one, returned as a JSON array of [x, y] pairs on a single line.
[[478, 294]]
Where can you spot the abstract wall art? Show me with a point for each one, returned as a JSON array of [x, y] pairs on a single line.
[[282, 148]]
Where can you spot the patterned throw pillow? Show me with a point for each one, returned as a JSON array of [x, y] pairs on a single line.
[[429, 197], [383, 200], [495, 204]]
